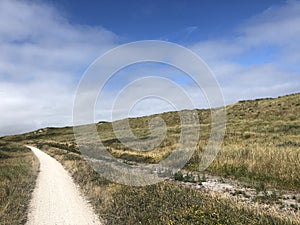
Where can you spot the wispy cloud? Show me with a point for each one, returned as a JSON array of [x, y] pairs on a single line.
[[261, 58]]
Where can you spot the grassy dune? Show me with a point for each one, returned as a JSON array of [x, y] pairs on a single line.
[[261, 146], [261, 142], [163, 203]]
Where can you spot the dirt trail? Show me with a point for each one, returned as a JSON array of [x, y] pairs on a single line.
[[56, 199]]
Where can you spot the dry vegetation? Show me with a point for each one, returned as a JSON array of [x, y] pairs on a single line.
[[261, 146], [163, 203], [261, 142], [18, 171]]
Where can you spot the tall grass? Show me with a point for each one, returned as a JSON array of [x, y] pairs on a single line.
[[267, 159], [261, 145], [163, 203], [18, 171]]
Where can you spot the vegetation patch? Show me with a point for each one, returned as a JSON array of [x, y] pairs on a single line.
[[261, 147], [163, 203], [18, 172]]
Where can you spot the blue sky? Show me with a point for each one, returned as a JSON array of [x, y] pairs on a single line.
[[179, 21], [252, 48]]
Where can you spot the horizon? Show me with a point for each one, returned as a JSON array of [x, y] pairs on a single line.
[[103, 121], [46, 47]]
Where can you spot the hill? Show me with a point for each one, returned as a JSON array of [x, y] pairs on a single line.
[[260, 147], [261, 141]]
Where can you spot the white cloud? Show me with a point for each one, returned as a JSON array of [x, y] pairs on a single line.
[[262, 58], [236, 63], [43, 56], [276, 25], [41, 60]]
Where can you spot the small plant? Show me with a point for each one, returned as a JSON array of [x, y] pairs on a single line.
[[185, 178], [178, 176], [189, 178]]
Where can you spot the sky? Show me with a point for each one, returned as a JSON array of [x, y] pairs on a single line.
[[253, 50]]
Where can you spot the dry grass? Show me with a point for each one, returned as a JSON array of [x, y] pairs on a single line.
[[261, 142], [18, 171], [273, 159], [164, 203], [261, 145]]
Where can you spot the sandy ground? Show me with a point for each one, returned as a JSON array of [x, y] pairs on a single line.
[[56, 199], [285, 202]]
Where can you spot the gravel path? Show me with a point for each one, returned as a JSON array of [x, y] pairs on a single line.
[[56, 199]]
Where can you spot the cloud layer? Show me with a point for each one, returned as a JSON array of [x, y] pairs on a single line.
[[41, 60], [261, 58], [43, 56]]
